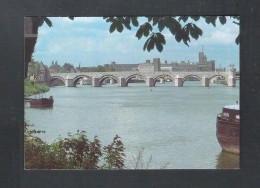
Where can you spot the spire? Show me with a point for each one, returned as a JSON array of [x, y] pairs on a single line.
[[202, 48]]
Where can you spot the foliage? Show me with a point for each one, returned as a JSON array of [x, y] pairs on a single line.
[[30, 88], [74, 152], [101, 68], [34, 68], [177, 26], [114, 154]]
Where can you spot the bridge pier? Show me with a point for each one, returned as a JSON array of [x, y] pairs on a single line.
[[95, 82], [205, 81], [149, 82], [178, 81], [122, 82], [69, 82], [232, 81], [112, 81], [162, 81]]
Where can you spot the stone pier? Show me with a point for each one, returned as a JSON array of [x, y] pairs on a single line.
[[112, 81], [149, 82], [178, 81], [95, 82], [231, 81], [121, 82], [69, 82], [162, 81], [205, 81]]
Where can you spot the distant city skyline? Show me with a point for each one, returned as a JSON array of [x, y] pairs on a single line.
[[87, 41]]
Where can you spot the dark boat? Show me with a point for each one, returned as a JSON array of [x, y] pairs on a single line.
[[228, 129], [27, 99], [42, 102]]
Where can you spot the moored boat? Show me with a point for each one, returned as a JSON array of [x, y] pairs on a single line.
[[26, 99], [228, 129], [42, 102]]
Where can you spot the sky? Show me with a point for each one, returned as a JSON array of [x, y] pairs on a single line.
[[86, 40]]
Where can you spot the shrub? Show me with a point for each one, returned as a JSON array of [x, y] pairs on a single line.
[[74, 152]]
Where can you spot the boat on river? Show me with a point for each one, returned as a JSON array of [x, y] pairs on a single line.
[[42, 102], [228, 129]]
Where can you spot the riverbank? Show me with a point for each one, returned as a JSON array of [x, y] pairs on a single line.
[[30, 89]]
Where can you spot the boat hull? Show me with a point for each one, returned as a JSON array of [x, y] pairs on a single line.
[[228, 135], [41, 103]]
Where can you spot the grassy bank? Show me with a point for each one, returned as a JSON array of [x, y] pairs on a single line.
[[30, 90]]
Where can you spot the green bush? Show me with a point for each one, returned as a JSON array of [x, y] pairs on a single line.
[[30, 88], [74, 152]]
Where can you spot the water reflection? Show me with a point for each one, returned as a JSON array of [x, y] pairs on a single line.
[[227, 160]]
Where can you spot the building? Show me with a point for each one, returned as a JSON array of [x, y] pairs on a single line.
[[68, 68], [55, 68], [150, 67], [146, 67], [202, 65], [43, 74], [122, 67], [42, 71], [156, 65]]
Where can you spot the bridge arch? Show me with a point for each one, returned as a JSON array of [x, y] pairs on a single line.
[[53, 78], [162, 76], [190, 76], [219, 76], [77, 78], [133, 76], [105, 77]]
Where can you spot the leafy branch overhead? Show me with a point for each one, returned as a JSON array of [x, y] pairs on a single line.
[[152, 29]]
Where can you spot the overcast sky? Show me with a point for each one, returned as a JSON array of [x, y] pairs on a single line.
[[88, 41]]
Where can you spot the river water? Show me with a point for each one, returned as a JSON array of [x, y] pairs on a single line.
[[176, 126]]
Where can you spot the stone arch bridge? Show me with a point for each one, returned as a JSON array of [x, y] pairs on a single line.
[[150, 78]]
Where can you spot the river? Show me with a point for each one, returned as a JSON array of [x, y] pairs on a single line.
[[174, 125]]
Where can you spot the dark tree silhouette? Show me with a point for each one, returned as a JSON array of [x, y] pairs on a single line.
[[153, 27]]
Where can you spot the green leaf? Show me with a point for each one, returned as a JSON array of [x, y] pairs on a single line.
[[144, 30], [112, 27], [194, 31], [149, 18], [127, 26], [211, 19], [161, 25], [222, 19], [161, 38], [156, 20], [178, 36], [159, 46], [119, 27], [183, 18], [139, 33], [195, 18], [126, 23], [150, 45], [173, 25], [146, 43], [197, 29], [135, 21]]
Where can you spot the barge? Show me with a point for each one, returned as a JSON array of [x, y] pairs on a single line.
[[228, 129], [42, 102]]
